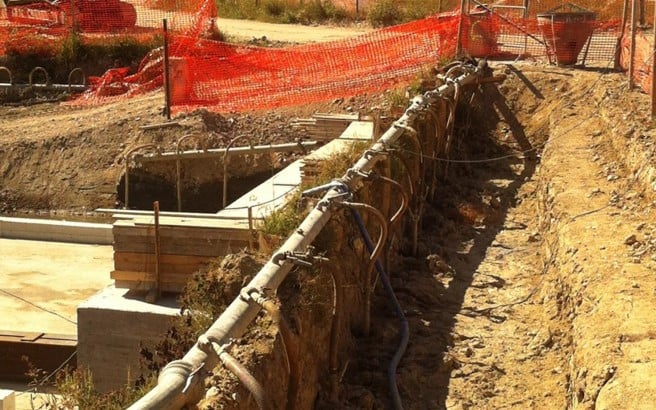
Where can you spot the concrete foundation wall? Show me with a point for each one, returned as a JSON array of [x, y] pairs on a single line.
[[58, 231], [111, 326]]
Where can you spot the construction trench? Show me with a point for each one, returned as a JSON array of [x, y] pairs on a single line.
[[490, 284]]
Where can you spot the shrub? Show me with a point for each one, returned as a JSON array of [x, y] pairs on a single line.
[[384, 13], [274, 8], [238, 9], [418, 9], [312, 12], [282, 222]]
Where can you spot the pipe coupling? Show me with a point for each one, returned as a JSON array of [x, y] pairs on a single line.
[[176, 369]]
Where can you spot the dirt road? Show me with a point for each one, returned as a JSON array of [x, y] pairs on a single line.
[[289, 33]]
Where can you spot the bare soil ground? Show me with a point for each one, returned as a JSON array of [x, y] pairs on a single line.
[[535, 282], [534, 287]]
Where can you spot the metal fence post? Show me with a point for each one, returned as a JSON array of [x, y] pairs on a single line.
[[653, 68], [633, 43]]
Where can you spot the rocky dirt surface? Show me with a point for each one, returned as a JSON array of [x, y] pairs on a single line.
[[534, 283], [535, 278]]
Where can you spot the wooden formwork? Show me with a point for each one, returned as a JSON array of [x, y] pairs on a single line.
[[187, 244], [185, 247]]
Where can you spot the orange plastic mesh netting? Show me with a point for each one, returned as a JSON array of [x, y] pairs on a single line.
[[228, 77]]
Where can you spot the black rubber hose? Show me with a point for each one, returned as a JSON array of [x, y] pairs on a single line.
[[405, 329]]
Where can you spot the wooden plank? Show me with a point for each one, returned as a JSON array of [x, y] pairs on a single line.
[[171, 221], [326, 115], [145, 262], [129, 257], [180, 232], [183, 246], [45, 351], [32, 336], [148, 277], [146, 286]]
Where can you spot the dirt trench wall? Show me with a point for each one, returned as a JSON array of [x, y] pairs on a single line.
[[306, 299], [598, 227]]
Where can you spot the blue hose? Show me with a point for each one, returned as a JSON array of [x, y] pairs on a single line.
[[405, 329]]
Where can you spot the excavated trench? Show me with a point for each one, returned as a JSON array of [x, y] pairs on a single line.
[[526, 288], [204, 196]]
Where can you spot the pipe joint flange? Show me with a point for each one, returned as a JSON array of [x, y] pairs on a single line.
[[277, 258], [408, 128], [370, 153], [304, 259], [324, 204], [177, 368], [400, 124], [212, 345]]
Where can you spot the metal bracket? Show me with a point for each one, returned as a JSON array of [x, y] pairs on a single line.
[[305, 259], [253, 294], [191, 375]]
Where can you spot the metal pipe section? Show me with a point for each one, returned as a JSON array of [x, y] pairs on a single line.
[[178, 182], [222, 152], [373, 258], [288, 337], [403, 321], [246, 378], [126, 159], [226, 162], [46, 87], [175, 392], [133, 213], [333, 349]]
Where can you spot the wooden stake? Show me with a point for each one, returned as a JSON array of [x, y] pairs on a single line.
[[460, 24], [156, 292], [167, 80], [250, 228], [618, 49], [634, 5]]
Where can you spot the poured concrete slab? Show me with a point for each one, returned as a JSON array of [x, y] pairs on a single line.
[[42, 283]]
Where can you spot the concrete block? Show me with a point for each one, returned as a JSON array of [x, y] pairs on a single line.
[[7, 400], [111, 327]]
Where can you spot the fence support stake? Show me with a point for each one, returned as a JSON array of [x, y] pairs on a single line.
[[633, 43], [653, 68], [167, 79], [460, 24]]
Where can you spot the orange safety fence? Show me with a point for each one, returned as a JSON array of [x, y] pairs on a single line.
[[643, 58], [229, 77], [226, 77]]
